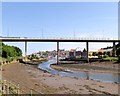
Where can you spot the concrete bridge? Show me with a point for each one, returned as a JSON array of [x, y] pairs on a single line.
[[57, 40]]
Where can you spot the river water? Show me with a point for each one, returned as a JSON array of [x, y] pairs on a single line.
[[103, 77]]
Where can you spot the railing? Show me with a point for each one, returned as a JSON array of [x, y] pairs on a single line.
[[63, 38], [10, 88]]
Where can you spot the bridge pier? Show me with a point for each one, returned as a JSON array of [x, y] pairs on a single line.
[[87, 49], [25, 50], [57, 53], [114, 49]]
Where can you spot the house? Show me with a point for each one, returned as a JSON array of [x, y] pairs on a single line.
[[78, 54], [108, 51], [84, 54], [72, 53]]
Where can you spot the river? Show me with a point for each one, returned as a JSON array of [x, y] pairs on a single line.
[[103, 77]]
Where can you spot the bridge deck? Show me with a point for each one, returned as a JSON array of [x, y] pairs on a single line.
[[21, 39]]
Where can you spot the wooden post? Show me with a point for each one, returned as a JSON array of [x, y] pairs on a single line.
[[31, 92], [18, 89], [8, 86], [4, 87]]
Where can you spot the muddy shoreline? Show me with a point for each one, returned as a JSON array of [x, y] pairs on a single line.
[[103, 67], [30, 77]]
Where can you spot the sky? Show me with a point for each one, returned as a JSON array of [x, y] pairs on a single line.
[[60, 19], [60, 0]]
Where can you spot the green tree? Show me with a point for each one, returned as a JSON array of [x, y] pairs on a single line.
[[10, 51], [105, 56], [90, 54], [108, 53], [104, 53], [118, 45], [4, 52], [94, 53], [100, 53], [118, 52], [18, 51]]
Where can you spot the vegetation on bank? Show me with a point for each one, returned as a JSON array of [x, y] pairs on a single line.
[[118, 51], [110, 59], [9, 53], [105, 56]]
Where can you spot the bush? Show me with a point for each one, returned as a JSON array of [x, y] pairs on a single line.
[[95, 54], [10, 59], [119, 58], [10, 51], [105, 56], [118, 52]]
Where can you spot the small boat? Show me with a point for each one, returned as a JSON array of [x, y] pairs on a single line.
[[67, 70]]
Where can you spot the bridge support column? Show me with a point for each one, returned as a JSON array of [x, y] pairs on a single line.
[[114, 49], [57, 52], [25, 50], [87, 49]]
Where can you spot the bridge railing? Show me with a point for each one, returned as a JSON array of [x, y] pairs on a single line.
[[63, 38]]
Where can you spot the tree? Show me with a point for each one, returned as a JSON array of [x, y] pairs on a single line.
[[18, 51], [4, 54], [33, 56], [84, 50], [118, 45], [94, 53], [100, 53], [118, 49], [104, 53], [118, 52], [90, 54], [105, 56], [108, 53], [10, 51]]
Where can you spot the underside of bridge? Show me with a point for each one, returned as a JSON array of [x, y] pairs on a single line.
[[87, 49]]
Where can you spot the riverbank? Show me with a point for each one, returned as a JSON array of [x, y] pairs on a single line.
[[30, 77], [104, 67]]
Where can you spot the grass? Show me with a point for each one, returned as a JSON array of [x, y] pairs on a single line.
[[110, 59], [94, 59], [3, 59]]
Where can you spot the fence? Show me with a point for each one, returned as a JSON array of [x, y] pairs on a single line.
[[10, 88]]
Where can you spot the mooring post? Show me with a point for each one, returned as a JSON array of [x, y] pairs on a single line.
[[87, 49], [31, 92], [114, 49], [57, 52]]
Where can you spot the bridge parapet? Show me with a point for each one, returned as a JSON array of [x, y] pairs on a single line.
[[61, 38]]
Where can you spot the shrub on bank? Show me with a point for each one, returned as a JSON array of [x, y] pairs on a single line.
[[119, 58], [105, 56], [110, 59]]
